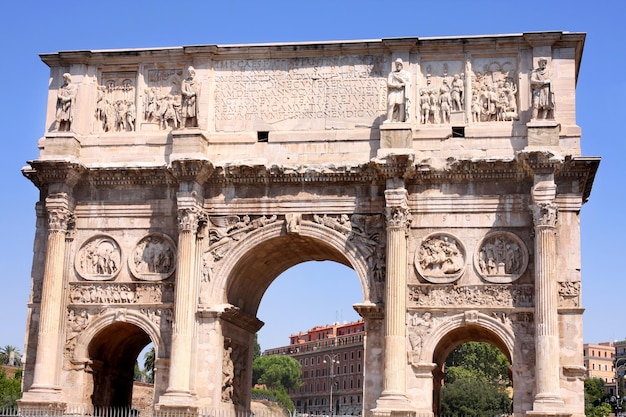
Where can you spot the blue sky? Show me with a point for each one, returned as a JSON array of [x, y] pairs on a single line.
[[323, 292]]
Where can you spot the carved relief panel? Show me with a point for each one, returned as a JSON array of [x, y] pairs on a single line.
[[442, 92], [116, 106], [501, 257], [98, 259], [153, 258], [440, 258], [494, 90], [162, 99]]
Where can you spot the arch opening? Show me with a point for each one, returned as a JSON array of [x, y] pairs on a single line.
[[472, 358], [113, 353]]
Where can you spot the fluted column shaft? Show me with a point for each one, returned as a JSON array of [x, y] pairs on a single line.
[[547, 396], [51, 307], [394, 383], [184, 304]]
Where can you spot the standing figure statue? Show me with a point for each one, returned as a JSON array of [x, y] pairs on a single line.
[[189, 106], [398, 87], [65, 104], [541, 86]]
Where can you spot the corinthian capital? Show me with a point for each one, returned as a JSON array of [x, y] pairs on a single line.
[[398, 217], [544, 214], [189, 218], [60, 219]]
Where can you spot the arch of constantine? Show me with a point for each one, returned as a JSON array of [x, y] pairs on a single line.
[[178, 183]]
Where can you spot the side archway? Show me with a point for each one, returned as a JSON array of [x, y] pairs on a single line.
[[108, 348], [470, 326]]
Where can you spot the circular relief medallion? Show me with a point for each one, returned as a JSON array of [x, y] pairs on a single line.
[[440, 258], [98, 259], [501, 257], [154, 258]]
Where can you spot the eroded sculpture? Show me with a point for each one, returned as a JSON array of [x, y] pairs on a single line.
[[66, 96], [398, 87]]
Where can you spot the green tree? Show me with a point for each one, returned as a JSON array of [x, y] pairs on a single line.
[[148, 365], [10, 389], [10, 355], [595, 398], [277, 372], [256, 353], [476, 381]]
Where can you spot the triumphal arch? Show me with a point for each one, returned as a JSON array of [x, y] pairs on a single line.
[[178, 183]]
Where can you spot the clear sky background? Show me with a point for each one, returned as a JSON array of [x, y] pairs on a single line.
[[318, 293]]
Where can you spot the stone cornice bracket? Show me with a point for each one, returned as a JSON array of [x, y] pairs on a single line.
[[400, 44], [196, 170], [54, 174], [543, 38], [582, 169], [235, 316], [369, 311], [395, 165]]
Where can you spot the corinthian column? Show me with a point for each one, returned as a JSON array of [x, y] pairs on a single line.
[[393, 397], [544, 210], [45, 386], [184, 309]]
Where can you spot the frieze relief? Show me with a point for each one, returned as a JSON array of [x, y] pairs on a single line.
[[131, 293], [154, 258], [99, 259], [116, 109], [494, 90], [501, 257], [440, 258], [472, 295], [569, 294], [441, 95]]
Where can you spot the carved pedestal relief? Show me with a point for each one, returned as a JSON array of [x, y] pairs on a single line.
[[154, 258], [440, 258], [99, 259], [501, 257]]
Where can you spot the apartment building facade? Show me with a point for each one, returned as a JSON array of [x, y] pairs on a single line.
[[600, 363]]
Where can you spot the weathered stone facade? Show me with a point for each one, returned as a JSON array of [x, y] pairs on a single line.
[[177, 184]]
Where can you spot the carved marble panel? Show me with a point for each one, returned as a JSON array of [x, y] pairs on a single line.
[[494, 90], [130, 293], [442, 92], [501, 257], [162, 98], [98, 259], [116, 106], [440, 258], [154, 258]]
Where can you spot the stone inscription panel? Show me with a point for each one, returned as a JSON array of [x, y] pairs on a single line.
[[280, 91]]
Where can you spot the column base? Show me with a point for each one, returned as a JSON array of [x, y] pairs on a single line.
[[548, 405], [42, 395], [177, 402], [393, 405]]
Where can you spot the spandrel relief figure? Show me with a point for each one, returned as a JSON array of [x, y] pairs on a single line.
[[419, 327], [66, 96], [501, 257], [542, 92], [440, 258], [398, 91], [189, 106]]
